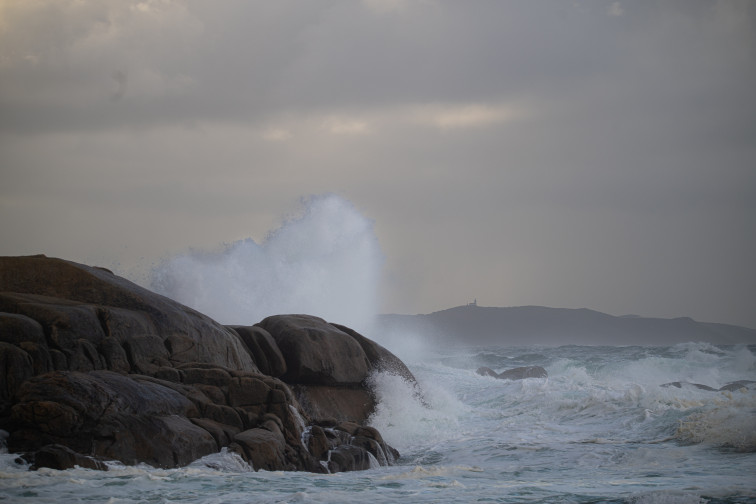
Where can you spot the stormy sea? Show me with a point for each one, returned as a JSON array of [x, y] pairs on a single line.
[[600, 428], [603, 426]]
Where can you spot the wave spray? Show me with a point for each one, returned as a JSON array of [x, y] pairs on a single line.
[[324, 262]]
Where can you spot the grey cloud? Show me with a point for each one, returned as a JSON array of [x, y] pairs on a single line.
[[624, 183]]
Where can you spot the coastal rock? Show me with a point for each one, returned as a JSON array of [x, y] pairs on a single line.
[[685, 384], [60, 457], [263, 349], [328, 366], [729, 387], [487, 371], [347, 446], [262, 448], [110, 416], [523, 372], [95, 368], [380, 358], [518, 373], [316, 352], [74, 302], [325, 403], [738, 385]]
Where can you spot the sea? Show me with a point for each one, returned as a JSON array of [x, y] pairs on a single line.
[[600, 428]]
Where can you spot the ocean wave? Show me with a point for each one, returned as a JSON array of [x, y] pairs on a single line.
[[406, 420], [731, 425]]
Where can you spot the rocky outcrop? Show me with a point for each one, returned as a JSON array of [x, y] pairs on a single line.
[[61, 457], [328, 365], [79, 309], [518, 373], [729, 387], [94, 367]]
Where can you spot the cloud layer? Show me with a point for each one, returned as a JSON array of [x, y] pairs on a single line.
[[593, 153]]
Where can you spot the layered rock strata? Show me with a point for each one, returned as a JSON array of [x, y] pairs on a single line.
[[94, 368]]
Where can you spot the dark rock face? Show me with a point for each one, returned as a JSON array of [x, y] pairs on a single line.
[[263, 349], [316, 352], [518, 373], [737, 385], [487, 371], [78, 307], [108, 415], [328, 365], [60, 457], [688, 384], [94, 367]]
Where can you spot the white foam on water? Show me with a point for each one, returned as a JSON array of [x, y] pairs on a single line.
[[668, 497], [407, 420], [729, 424], [224, 460], [421, 472], [599, 428]]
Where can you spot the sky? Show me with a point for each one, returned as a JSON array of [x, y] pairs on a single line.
[[597, 154]]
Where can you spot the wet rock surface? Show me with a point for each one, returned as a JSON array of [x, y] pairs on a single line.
[[729, 387], [518, 373], [95, 368]]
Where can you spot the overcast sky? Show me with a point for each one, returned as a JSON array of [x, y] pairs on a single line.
[[597, 154]]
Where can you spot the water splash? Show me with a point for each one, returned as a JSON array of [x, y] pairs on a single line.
[[405, 420], [325, 262]]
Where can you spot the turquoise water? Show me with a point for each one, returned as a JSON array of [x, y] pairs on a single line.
[[600, 428]]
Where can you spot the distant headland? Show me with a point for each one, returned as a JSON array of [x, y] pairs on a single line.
[[529, 325]]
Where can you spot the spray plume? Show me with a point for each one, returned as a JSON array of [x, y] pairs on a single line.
[[325, 262]]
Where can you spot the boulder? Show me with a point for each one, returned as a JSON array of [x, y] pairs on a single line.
[[487, 371], [60, 457], [348, 458], [262, 449], [729, 387], [323, 403], [263, 349], [16, 366], [328, 366], [517, 373], [739, 385], [316, 352], [684, 384], [523, 372], [72, 301], [108, 415], [380, 358]]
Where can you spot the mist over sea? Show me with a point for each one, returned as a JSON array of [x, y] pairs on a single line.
[[600, 428]]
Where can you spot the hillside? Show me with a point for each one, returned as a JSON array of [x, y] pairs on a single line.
[[524, 325]]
